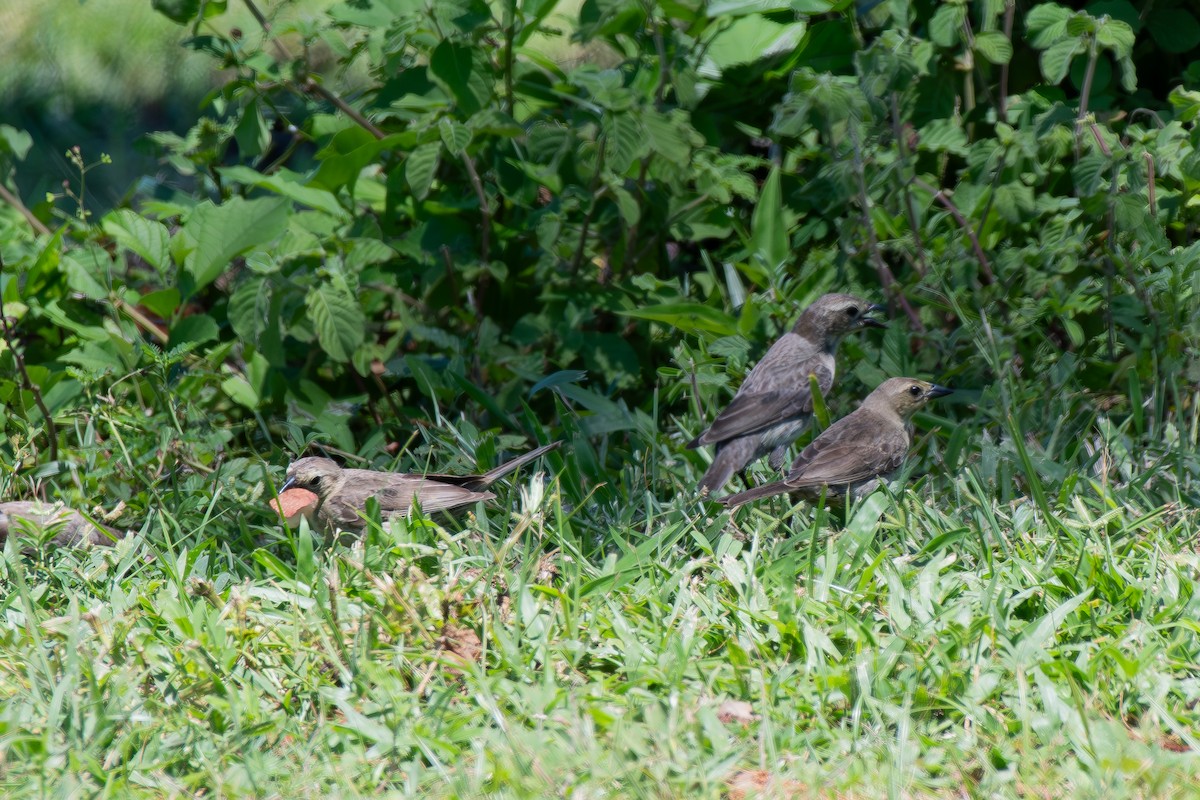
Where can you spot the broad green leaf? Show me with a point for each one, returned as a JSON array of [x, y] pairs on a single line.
[[85, 269], [625, 141], [455, 135], [687, 317], [15, 141], [249, 309], [738, 8], [1046, 24], [945, 27], [1056, 60], [944, 135], [463, 72], [240, 391], [196, 329], [670, 136], [225, 231], [162, 302], [337, 318], [420, 168], [291, 185], [751, 38], [994, 46], [1120, 37], [769, 224], [146, 237]]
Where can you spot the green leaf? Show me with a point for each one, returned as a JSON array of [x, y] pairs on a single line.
[[1174, 29], [1046, 24], [84, 268], [945, 27], [291, 185], [240, 391], [148, 238], [455, 135], [249, 309], [464, 73], [1014, 201], [1056, 60], [625, 141], [420, 168], [687, 317], [15, 141], [944, 136], [196, 328], [163, 302], [1120, 37], [994, 46], [769, 224], [225, 231], [337, 318]]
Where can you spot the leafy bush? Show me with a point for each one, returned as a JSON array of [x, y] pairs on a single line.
[[492, 246]]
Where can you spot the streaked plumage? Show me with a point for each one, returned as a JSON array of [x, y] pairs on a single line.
[[343, 493], [774, 404], [69, 527], [858, 450]]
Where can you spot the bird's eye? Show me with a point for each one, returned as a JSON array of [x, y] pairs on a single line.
[[852, 312], [915, 391]]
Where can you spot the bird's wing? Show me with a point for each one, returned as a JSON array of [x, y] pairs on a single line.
[[433, 495], [755, 408], [856, 448]]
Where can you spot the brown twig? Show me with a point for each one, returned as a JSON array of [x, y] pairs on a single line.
[[27, 383], [1150, 187], [312, 87], [938, 195], [886, 278], [142, 321], [485, 210], [909, 209]]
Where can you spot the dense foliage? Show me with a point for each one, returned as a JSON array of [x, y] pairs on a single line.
[[491, 248]]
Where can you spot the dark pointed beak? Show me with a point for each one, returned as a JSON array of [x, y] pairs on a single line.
[[938, 391], [868, 321], [287, 484]]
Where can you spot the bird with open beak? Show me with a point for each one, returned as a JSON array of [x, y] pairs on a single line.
[[856, 452], [774, 404], [342, 493]]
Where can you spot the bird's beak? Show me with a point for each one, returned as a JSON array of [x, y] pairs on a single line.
[[287, 484], [938, 391], [867, 321]]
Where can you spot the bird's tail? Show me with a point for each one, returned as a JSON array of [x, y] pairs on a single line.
[[493, 475], [756, 493]]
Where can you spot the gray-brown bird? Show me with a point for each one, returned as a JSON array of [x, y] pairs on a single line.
[[774, 404], [68, 526], [342, 493], [856, 452]]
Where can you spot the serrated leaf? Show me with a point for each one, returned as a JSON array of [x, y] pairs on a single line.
[[337, 318], [249, 309], [455, 135], [1014, 201], [1119, 36], [420, 167], [687, 317], [1089, 173], [624, 141], [944, 135], [1046, 24], [1056, 60], [463, 72], [945, 27], [225, 231], [146, 237], [994, 46]]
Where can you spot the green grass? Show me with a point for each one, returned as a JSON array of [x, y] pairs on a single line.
[[939, 643]]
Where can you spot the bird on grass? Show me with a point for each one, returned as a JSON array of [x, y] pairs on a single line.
[[856, 452], [342, 494], [774, 404], [67, 526]]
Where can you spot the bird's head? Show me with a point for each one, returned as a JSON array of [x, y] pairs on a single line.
[[905, 395], [318, 475], [834, 315]]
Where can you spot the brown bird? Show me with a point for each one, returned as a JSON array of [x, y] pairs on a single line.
[[774, 403], [68, 526], [858, 450], [342, 493]]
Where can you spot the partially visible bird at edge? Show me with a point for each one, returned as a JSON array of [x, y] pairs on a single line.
[[774, 404], [342, 494]]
